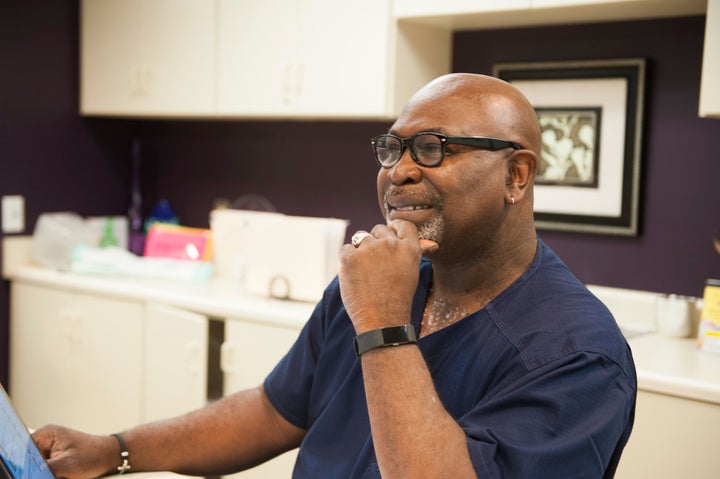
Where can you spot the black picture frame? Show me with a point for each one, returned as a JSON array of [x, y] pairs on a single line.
[[610, 203]]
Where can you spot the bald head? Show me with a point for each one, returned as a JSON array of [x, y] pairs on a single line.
[[498, 108]]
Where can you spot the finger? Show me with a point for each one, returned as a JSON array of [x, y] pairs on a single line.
[[381, 231], [403, 229], [429, 246]]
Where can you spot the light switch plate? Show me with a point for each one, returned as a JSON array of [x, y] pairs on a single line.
[[13, 214]]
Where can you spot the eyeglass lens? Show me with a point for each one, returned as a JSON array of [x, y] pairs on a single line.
[[426, 149]]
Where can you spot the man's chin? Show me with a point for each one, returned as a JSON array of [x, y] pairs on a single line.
[[431, 230]]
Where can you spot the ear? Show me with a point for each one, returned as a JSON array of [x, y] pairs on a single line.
[[522, 166]]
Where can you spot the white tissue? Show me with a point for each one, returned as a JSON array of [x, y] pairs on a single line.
[[120, 262]]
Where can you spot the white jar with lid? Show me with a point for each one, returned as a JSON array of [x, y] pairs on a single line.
[[674, 315]]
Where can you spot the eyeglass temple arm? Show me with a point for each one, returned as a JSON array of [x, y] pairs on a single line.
[[490, 143]]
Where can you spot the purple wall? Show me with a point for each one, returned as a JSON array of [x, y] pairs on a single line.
[[681, 167], [56, 159], [303, 168], [61, 161]]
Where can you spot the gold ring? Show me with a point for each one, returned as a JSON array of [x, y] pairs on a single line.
[[358, 238]]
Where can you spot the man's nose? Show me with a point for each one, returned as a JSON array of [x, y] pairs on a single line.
[[405, 170]]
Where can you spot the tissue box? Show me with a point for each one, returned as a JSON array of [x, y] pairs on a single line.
[[277, 255], [709, 327]]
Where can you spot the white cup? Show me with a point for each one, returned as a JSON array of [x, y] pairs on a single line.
[[674, 316]]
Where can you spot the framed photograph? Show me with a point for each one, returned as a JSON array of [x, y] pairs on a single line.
[[590, 115]]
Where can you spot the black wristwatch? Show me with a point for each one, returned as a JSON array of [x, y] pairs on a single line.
[[384, 337]]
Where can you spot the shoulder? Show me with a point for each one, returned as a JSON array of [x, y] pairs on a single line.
[[548, 313]]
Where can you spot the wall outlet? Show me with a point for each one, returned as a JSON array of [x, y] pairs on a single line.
[[13, 214]]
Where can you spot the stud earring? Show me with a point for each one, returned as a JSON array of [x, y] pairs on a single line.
[[512, 200]]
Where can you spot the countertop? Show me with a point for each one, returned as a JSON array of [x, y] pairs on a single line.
[[215, 298], [664, 365], [676, 367]]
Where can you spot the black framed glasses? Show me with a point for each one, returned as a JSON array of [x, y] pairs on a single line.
[[428, 148]]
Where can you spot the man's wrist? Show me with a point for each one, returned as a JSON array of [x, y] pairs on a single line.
[[368, 322], [124, 457], [384, 337]]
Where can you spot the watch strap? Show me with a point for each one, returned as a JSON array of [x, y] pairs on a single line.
[[384, 337]]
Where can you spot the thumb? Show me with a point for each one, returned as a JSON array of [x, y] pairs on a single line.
[[428, 246]]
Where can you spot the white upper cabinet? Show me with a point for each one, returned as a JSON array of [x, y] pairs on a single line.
[[409, 8], [572, 11], [249, 58], [710, 82], [147, 57], [477, 14], [304, 58]]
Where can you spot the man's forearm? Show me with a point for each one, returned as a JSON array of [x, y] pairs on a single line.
[[234, 433], [413, 434]]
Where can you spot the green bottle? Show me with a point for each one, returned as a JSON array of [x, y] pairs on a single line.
[[108, 238]]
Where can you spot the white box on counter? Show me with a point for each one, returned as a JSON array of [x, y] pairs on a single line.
[[277, 255]]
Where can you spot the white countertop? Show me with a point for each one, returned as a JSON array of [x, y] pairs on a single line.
[[664, 365], [676, 367], [215, 298]]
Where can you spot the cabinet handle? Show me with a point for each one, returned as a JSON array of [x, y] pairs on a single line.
[[227, 357], [135, 81], [299, 79], [146, 80], [140, 80], [70, 324], [192, 355], [288, 80], [293, 77]]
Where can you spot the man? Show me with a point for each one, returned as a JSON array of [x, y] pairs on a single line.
[[517, 370]]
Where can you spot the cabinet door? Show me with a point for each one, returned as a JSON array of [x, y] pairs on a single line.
[[304, 58], [709, 91], [344, 61], [75, 359], [175, 361], [672, 437], [147, 57], [250, 351], [255, 56]]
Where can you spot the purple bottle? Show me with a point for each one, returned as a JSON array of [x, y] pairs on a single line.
[[136, 238]]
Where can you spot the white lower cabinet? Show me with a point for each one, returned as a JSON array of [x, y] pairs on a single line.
[[672, 437], [101, 364], [75, 359], [176, 361], [250, 351]]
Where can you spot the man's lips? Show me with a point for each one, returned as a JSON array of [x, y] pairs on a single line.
[[415, 213], [409, 208], [409, 204]]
